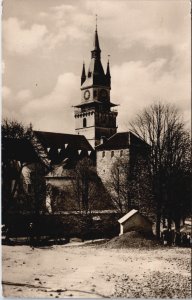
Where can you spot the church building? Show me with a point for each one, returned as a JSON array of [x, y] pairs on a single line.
[[95, 124], [95, 137], [95, 116]]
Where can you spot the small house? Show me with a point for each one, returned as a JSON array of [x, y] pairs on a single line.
[[134, 221]]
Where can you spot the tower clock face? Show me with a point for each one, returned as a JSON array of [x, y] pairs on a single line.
[[103, 94], [87, 95]]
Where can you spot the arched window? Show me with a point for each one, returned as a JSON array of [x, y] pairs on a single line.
[[112, 153], [103, 154], [121, 152], [84, 122]]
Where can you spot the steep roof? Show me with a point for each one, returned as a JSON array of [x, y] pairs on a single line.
[[122, 140], [59, 140], [96, 46], [95, 75], [60, 146]]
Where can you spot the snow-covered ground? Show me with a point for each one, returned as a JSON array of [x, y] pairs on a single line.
[[91, 272]]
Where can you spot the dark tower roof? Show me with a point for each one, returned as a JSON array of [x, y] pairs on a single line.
[[83, 75], [96, 52], [123, 140], [108, 74], [95, 75]]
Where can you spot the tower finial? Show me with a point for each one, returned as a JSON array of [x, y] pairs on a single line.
[[96, 20], [108, 57]]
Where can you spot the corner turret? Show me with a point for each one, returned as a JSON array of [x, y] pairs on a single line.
[[108, 74], [83, 75]]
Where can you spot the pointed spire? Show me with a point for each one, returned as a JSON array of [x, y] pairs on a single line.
[[108, 68], [96, 49], [83, 75], [96, 41], [108, 74]]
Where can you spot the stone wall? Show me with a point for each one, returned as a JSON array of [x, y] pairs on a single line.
[[106, 160], [90, 119]]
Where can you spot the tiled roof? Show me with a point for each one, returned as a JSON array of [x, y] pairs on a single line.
[[121, 140], [60, 146], [53, 139]]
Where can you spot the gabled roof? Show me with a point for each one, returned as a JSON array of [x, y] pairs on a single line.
[[122, 140], [60, 146], [132, 213], [128, 216], [60, 140]]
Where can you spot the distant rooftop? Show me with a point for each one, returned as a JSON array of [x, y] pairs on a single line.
[[122, 140]]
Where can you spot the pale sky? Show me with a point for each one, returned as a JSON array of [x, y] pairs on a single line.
[[46, 41]]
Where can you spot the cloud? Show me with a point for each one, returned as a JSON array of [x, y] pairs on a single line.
[[153, 23], [8, 110], [68, 23], [51, 112], [13, 102], [63, 10], [136, 85], [24, 95], [54, 111], [156, 33], [20, 40], [43, 14]]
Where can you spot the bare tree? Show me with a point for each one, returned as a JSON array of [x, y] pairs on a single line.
[[161, 126], [118, 185], [87, 194], [140, 185], [84, 186], [130, 187]]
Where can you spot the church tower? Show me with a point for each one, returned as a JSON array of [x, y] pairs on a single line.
[[95, 116]]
